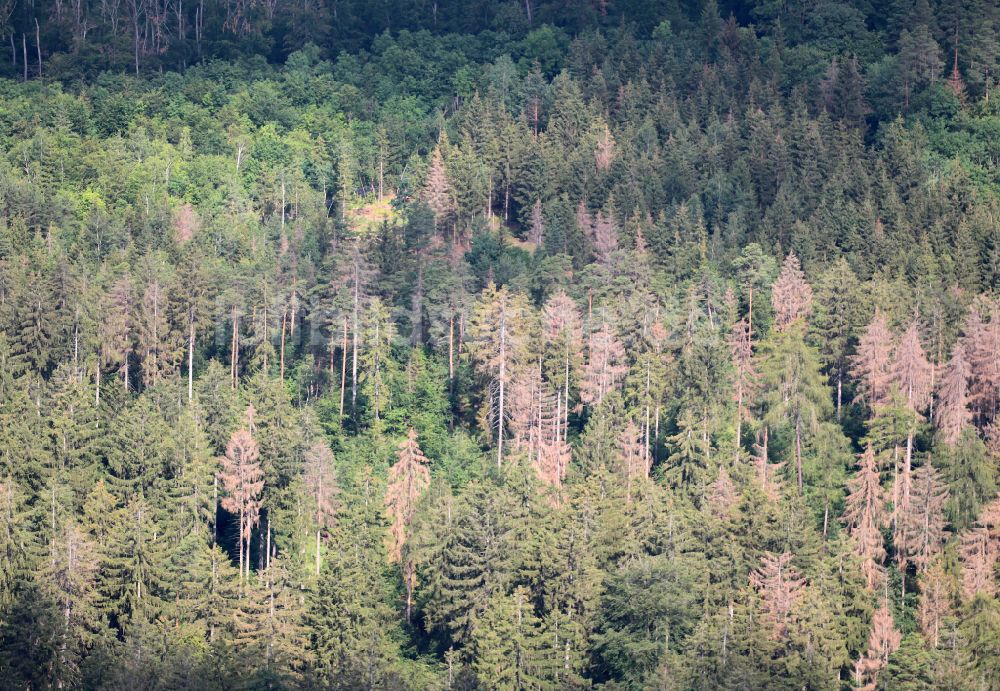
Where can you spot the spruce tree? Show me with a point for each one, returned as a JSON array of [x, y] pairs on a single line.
[[865, 516], [791, 295], [243, 481], [409, 478], [794, 394]]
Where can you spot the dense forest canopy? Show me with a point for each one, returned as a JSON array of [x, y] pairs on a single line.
[[542, 344]]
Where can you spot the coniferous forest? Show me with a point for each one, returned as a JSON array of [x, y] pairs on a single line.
[[538, 344]]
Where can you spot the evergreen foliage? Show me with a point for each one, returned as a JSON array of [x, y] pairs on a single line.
[[537, 344]]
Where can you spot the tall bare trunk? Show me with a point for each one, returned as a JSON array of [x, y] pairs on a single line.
[[343, 369], [565, 421], [451, 348], [191, 361], [38, 46], [215, 511], [376, 389], [656, 431], [645, 445], [503, 376], [739, 418], [330, 365], [840, 392], [281, 367], [234, 348], [354, 343], [241, 550], [907, 469], [645, 425], [409, 591], [798, 453]]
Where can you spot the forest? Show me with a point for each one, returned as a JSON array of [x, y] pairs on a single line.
[[541, 344]]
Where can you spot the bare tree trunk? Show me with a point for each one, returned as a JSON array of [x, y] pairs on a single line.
[[330, 366], [739, 417], [798, 453], [930, 412], [241, 550], [281, 367], [343, 369], [409, 598], [896, 504], [135, 36], [557, 422], [840, 392], [38, 46], [156, 331], [215, 511], [646, 425], [656, 433], [376, 389], [645, 445], [451, 348], [706, 438], [503, 376], [907, 476], [234, 350], [354, 343], [191, 361], [566, 392]]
